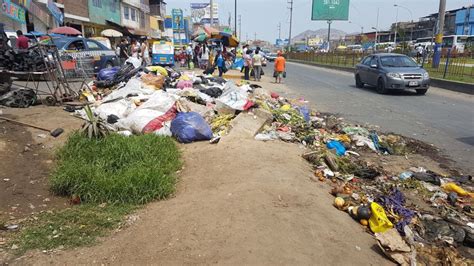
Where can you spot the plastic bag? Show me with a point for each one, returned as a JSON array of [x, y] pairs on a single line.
[[107, 73], [189, 127], [452, 187], [233, 97], [379, 222], [340, 149], [153, 81]]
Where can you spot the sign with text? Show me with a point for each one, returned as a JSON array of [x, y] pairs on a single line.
[[13, 11], [56, 12], [330, 10], [282, 42], [178, 22], [201, 13]]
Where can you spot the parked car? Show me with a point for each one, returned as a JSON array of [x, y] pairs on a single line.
[[391, 72], [271, 57], [87, 51]]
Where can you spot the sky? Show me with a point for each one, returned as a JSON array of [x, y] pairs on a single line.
[[261, 17]]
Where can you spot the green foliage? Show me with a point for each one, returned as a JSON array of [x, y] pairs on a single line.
[[116, 169], [94, 127], [77, 226]]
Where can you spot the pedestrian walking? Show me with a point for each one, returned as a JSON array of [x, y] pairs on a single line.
[[280, 67], [123, 51], [247, 64], [197, 54], [204, 57], [134, 49], [145, 53], [220, 63], [257, 65]]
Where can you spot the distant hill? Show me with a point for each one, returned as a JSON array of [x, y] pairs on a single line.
[[321, 33]]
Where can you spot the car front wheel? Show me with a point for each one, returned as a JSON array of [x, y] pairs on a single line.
[[359, 83], [381, 86]]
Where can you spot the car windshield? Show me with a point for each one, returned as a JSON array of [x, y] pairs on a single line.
[[397, 61]]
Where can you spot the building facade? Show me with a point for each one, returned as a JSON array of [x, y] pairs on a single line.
[[135, 16], [465, 21], [101, 14], [76, 13]]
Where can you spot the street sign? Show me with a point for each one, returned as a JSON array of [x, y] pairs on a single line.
[[282, 42], [56, 12], [178, 22], [330, 10]]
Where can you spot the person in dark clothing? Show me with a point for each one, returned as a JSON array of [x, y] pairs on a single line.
[[220, 62], [22, 40], [123, 54]]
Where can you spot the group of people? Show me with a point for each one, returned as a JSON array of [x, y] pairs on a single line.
[[135, 49], [253, 60]]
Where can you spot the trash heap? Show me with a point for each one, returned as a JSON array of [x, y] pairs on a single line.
[[436, 229], [417, 216], [162, 101]]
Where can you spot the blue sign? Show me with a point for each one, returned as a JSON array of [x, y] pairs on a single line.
[[56, 12], [178, 21], [282, 42]]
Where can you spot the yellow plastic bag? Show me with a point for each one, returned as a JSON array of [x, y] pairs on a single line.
[[158, 69], [285, 107], [452, 187], [379, 222]]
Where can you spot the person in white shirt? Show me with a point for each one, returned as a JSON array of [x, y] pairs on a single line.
[[257, 65]]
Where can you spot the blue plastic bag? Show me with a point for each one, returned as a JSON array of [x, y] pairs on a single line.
[[107, 73], [334, 144], [305, 112], [189, 127]]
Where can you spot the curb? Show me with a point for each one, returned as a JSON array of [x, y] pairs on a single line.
[[466, 88]]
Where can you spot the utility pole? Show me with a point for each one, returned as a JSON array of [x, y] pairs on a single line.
[[279, 30], [396, 29], [255, 36], [212, 12], [329, 34], [291, 24], [439, 35], [240, 27], [235, 18]]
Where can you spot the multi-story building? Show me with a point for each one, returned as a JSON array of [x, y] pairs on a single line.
[[29, 15], [157, 18], [76, 13], [102, 13], [135, 15], [465, 21]]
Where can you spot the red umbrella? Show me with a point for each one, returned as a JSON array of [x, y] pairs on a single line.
[[66, 31]]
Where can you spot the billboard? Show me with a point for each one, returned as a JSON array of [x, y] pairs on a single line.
[[330, 10], [282, 42], [177, 19], [201, 13]]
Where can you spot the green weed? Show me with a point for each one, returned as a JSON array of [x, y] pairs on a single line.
[[116, 169]]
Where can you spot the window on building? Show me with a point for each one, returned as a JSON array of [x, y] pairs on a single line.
[[113, 6], [93, 45], [97, 3], [133, 14], [126, 12], [142, 19]]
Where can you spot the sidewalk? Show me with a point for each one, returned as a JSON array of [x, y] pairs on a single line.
[[238, 202]]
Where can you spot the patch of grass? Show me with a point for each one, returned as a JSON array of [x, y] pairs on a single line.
[[76, 226], [116, 169]]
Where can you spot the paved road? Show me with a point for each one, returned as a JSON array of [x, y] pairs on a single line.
[[441, 117]]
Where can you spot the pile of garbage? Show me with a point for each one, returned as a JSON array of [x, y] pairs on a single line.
[[163, 101], [438, 229], [417, 216]]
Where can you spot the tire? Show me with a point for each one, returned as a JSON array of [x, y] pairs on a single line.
[[359, 83], [421, 91], [381, 86]]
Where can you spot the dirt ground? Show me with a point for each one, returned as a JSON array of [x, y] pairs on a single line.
[[26, 157], [238, 202]]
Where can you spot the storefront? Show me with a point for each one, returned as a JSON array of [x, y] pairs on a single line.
[[13, 16]]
